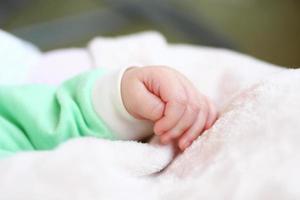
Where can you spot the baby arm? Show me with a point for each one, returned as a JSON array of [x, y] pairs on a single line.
[[123, 105], [40, 117]]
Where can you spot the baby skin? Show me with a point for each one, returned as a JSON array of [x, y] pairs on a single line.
[[169, 100]]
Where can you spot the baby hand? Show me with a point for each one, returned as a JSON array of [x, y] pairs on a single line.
[[167, 98]]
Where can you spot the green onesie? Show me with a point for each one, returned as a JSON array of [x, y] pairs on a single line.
[[40, 117]]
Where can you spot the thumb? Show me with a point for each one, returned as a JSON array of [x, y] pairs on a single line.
[[138, 100], [147, 105]]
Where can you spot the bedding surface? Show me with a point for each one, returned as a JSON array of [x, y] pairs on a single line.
[[252, 151]]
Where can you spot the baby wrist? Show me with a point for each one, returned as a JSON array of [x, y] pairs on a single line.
[[108, 104]]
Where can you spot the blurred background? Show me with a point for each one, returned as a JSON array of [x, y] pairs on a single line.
[[267, 29]]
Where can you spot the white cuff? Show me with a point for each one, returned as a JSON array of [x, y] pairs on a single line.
[[108, 104]]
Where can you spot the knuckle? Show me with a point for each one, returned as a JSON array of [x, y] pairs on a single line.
[[204, 108], [193, 135], [194, 109], [178, 104], [181, 101], [175, 133]]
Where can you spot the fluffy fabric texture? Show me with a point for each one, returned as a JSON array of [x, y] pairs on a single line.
[[252, 151], [16, 59]]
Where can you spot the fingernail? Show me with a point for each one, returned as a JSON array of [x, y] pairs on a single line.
[[164, 140], [183, 145], [157, 131]]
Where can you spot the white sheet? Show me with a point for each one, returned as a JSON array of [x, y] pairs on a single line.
[[16, 58]]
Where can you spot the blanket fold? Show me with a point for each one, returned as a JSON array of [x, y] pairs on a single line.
[[252, 151]]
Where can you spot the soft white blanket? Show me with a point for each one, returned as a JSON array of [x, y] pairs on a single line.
[[252, 152]]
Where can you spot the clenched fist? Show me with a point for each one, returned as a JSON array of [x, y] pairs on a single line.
[[168, 99]]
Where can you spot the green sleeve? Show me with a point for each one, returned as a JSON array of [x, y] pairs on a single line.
[[40, 117]]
